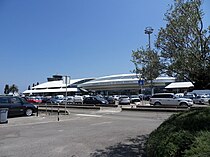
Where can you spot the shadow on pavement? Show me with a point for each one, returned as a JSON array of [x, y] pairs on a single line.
[[133, 147]]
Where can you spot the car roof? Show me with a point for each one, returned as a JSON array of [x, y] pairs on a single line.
[[9, 96]]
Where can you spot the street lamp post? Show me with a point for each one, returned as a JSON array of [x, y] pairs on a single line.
[[149, 31], [66, 81]]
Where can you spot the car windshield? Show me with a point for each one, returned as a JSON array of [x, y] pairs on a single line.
[[99, 98], [175, 97], [59, 98], [24, 100]]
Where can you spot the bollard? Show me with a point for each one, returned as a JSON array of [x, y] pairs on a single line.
[[46, 108], [51, 109], [37, 112], [58, 112]]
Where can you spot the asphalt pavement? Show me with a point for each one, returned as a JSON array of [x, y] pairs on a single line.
[[82, 133]]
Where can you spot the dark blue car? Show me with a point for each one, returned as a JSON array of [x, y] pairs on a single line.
[[95, 100], [17, 106]]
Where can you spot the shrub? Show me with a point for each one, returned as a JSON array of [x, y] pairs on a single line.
[[177, 134], [201, 146]]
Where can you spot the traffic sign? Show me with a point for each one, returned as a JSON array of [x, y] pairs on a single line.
[[141, 82]]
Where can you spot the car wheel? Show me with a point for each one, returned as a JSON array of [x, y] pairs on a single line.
[[157, 104], [28, 112], [184, 104]]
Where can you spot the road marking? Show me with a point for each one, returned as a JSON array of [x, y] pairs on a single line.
[[110, 109], [101, 123], [41, 122], [89, 115]]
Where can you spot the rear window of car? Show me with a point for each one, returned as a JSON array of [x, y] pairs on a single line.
[[4, 100], [15, 100]]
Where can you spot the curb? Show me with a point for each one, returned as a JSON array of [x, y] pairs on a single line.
[[151, 109], [155, 109], [61, 110]]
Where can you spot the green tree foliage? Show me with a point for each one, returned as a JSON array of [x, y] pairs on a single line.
[[6, 89], [185, 44], [147, 64], [13, 88]]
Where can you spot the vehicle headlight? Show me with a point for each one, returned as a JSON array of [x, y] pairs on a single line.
[[35, 106]]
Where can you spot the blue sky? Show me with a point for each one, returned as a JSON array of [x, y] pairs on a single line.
[[80, 38]]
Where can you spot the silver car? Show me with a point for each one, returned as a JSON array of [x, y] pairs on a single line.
[[205, 99], [124, 100]]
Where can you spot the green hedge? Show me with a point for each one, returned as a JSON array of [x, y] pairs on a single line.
[[182, 135]]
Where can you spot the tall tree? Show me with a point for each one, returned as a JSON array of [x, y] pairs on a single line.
[[147, 64], [6, 89], [13, 88], [185, 44]]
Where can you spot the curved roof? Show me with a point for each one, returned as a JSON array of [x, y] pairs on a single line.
[[111, 82], [121, 81], [51, 90], [56, 86], [165, 79], [50, 84]]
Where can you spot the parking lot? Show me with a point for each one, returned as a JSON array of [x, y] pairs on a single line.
[[82, 133]]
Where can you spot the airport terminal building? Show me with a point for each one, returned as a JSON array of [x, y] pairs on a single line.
[[108, 85]]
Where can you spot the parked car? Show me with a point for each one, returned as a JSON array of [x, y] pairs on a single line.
[[144, 97], [134, 98], [205, 99], [110, 99], [94, 100], [34, 99], [124, 100], [197, 99], [189, 96], [70, 100], [56, 100], [17, 106], [169, 99], [78, 99], [45, 100], [116, 97]]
